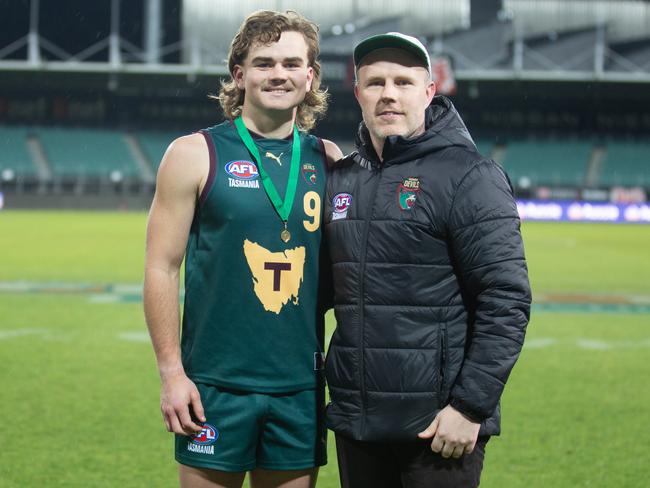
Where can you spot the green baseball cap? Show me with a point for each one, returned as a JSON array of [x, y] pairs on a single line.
[[395, 40]]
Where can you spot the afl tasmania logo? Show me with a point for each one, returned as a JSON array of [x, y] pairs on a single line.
[[202, 442], [207, 436], [242, 170], [340, 205]]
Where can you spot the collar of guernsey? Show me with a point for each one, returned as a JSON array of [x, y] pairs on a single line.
[[282, 207]]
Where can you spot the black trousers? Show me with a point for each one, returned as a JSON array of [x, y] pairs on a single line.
[[406, 465]]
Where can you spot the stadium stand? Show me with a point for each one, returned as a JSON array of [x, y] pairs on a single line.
[[547, 162], [482, 47], [154, 145], [626, 164], [554, 91], [485, 147], [568, 51], [14, 155], [337, 44], [629, 56], [89, 153]]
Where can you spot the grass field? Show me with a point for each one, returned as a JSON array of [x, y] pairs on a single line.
[[79, 404]]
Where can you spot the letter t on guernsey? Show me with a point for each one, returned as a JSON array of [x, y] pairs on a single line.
[[277, 268]]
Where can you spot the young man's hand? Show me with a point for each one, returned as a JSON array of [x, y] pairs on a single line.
[[177, 395]]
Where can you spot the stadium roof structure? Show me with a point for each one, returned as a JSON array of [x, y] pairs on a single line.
[[505, 48], [496, 51]]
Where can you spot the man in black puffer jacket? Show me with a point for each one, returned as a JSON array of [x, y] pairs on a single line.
[[431, 285]]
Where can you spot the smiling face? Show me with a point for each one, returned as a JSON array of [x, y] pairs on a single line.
[[393, 90], [275, 77]]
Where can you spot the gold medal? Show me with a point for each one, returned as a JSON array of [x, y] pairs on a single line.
[[285, 235]]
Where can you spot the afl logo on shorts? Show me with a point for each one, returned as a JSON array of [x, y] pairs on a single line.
[[242, 170], [207, 436], [340, 205]]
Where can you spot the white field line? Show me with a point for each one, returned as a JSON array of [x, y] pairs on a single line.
[[53, 335], [105, 298], [605, 346], [142, 336], [586, 343], [598, 298], [138, 336], [596, 345], [105, 289], [10, 334], [69, 287]]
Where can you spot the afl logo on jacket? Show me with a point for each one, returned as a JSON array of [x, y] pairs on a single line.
[[340, 205]]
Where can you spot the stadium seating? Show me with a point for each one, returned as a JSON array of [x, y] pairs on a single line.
[[485, 146], [626, 164], [87, 153], [547, 162], [99, 154], [154, 145], [14, 155]]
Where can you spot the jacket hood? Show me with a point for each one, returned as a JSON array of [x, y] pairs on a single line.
[[443, 127]]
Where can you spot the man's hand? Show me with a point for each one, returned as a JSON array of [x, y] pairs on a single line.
[[177, 395], [453, 433]]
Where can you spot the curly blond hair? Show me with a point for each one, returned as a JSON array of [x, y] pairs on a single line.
[[266, 27]]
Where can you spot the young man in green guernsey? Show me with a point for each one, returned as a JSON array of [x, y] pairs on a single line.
[[242, 388]]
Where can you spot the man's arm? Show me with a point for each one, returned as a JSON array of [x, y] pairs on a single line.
[[488, 254], [180, 177]]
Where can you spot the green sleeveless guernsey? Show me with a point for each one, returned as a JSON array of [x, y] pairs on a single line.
[[250, 319]]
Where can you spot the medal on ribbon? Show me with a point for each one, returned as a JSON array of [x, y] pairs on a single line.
[[282, 207]]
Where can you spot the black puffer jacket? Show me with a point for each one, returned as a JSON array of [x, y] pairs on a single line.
[[431, 285]]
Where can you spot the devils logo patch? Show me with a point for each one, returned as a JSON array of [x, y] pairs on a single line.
[[309, 173], [407, 193]]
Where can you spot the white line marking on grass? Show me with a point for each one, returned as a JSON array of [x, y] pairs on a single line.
[[606, 346], [594, 344], [10, 334], [134, 336], [61, 336], [69, 287], [584, 343], [126, 289], [15, 286], [104, 298]]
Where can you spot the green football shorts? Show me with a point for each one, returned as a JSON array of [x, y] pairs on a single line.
[[244, 431]]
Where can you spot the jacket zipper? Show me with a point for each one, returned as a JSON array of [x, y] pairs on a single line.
[[362, 269], [443, 363]]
